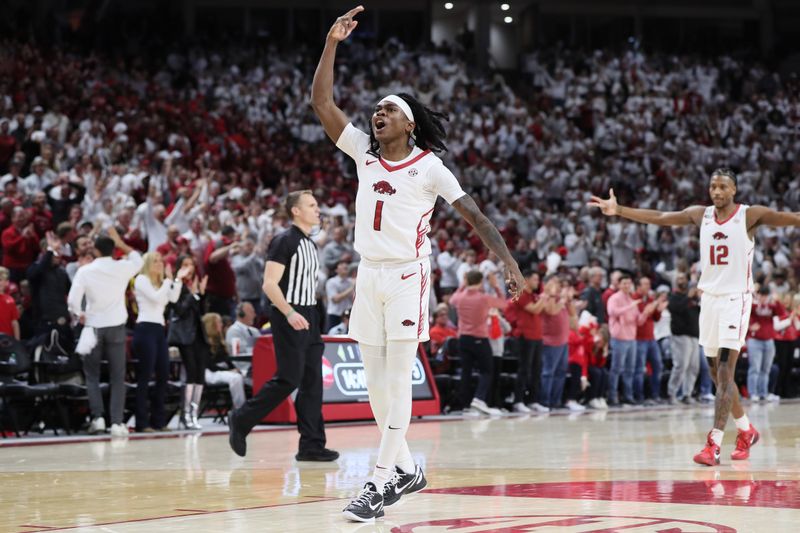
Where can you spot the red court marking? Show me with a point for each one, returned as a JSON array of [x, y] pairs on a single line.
[[604, 524], [775, 494]]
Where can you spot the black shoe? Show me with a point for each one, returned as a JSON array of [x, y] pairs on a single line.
[[236, 436], [402, 483], [367, 506], [321, 456], [614, 403]]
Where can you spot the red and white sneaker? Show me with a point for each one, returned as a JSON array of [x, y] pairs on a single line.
[[710, 454], [744, 440]]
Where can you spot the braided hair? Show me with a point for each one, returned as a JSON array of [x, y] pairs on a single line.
[[429, 132], [726, 172]]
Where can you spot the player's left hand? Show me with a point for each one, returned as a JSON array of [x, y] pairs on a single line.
[[515, 281]]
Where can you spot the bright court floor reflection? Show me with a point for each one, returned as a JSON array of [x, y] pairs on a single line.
[[629, 471]]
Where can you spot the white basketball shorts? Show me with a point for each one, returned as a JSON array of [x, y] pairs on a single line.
[[391, 302], [724, 320]]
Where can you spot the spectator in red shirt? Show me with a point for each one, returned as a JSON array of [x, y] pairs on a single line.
[[761, 343], [558, 318], [527, 313], [11, 191], [441, 330], [613, 286], [6, 213], [221, 290], [647, 349], [41, 217], [787, 332], [578, 361], [472, 305], [594, 340], [9, 313], [175, 246], [20, 244]]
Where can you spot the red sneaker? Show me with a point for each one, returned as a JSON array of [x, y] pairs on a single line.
[[710, 454], [744, 440]]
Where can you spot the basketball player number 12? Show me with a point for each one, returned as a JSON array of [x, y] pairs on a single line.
[[718, 255]]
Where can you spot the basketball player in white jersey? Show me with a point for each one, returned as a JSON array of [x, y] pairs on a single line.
[[399, 180], [726, 282]]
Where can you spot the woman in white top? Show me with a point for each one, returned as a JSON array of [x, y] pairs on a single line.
[[154, 291]]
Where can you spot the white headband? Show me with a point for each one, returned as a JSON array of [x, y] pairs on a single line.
[[399, 102]]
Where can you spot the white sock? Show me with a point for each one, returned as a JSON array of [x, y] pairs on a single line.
[[400, 357], [716, 436], [406, 464], [380, 476], [375, 372], [742, 423]]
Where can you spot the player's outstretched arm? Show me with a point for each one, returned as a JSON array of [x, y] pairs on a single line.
[[332, 118], [493, 240], [610, 207], [759, 215]]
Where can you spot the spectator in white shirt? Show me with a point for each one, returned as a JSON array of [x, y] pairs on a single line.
[[39, 178], [340, 290], [154, 292], [242, 331], [448, 265], [103, 283]]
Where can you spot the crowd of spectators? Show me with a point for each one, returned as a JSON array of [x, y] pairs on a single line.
[[189, 153]]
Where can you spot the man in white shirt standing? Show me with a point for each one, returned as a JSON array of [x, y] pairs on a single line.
[[103, 283]]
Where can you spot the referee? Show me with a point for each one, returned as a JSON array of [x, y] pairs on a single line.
[[290, 283]]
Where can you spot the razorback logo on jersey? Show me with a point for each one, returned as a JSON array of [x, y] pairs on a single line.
[[718, 236], [408, 323], [383, 187]]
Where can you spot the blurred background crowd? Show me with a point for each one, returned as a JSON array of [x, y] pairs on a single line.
[[188, 152]]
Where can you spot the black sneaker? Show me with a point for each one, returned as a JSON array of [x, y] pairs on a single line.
[[367, 506], [323, 455], [402, 483], [236, 437]]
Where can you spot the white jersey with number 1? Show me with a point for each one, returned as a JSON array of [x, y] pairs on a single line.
[[726, 253], [394, 205], [395, 199]]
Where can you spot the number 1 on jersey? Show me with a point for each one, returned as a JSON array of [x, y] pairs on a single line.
[[718, 254], [376, 222]]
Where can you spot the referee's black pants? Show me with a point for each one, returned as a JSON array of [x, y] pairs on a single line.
[[298, 355]]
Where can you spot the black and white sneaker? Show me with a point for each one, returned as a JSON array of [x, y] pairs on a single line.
[[367, 506], [402, 483]]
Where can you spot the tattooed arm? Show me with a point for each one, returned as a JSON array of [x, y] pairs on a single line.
[[493, 240]]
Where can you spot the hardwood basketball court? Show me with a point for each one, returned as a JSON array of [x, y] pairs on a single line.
[[629, 470]]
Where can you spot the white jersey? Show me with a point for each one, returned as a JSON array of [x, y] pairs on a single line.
[[726, 253], [395, 199]]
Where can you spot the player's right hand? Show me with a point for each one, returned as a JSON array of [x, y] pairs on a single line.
[[608, 207], [297, 321], [344, 25], [515, 281]]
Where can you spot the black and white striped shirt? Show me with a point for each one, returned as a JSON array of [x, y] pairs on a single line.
[[294, 250]]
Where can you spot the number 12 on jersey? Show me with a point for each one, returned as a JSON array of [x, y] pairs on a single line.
[[718, 255]]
